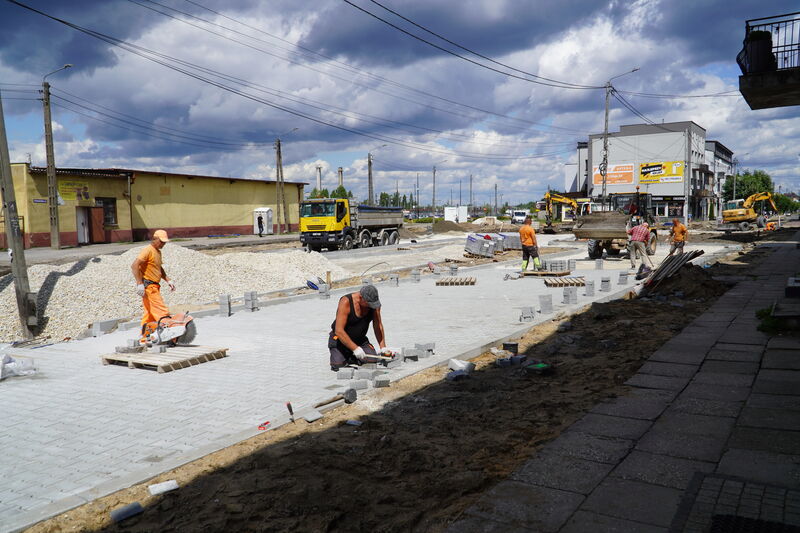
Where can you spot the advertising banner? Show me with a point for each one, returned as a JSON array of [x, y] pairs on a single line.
[[617, 174], [72, 190], [661, 172]]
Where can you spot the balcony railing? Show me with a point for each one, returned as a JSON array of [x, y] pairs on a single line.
[[770, 44]]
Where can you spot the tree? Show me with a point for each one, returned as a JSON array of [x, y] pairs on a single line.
[[747, 184], [405, 202], [785, 203], [318, 193], [340, 192]]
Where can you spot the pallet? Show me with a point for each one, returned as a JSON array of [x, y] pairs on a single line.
[[173, 359], [469, 255], [448, 260], [453, 280], [547, 273], [565, 282]]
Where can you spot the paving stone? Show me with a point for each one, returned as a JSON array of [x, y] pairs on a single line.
[[731, 355], [772, 401], [698, 406], [590, 447], [474, 524], [549, 468], [784, 343], [518, 504], [770, 418], [765, 385], [751, 349], [359, 384], [685, 355], [712, 426], [765, 467], [738, 335], [668, 369], [732, 380], [684, 445], [632, 407], [730, 367], [583, 521], [767, 440], [715, 392], [660, 469], [649, 381], [633, 500], [611, 426], [784, 359], [345, 373]]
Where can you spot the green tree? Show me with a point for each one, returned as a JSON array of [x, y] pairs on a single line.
[[747, 184], [340, 192], [318, 193], [785, 204]]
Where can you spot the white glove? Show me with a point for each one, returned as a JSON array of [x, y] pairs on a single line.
[[171, 285], [359, 353], [140, 289]]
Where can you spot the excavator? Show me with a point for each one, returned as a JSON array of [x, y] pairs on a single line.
[[739, 214], [550, 198]]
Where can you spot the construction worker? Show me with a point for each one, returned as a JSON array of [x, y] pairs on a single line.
[[148, 273], [677, 236], [640, 236], [527, 237], [347, 340]]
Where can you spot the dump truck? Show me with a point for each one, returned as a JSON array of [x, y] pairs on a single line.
[[740, 215], [607, 228], [334, 223]]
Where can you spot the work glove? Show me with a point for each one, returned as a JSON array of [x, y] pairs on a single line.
[[140, 289], [359, 353], [171, 285]]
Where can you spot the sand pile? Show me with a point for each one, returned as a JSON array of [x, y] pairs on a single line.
[[74, 295], [691, 282], [444, 226]]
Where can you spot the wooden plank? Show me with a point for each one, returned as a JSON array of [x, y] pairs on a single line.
[[173, 359], [544, 273]]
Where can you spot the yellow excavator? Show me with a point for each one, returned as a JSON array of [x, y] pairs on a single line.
[[739, 214], [550, 198]]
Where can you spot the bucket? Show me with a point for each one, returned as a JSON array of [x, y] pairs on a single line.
[[512, 347]]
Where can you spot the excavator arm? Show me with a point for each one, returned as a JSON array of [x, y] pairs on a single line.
[[759, 196], [550, 198]]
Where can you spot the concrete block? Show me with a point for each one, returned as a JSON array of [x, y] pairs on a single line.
[[362, 373], [430, 347], [458, 364], [623, 278], [457, 375], [573, 264], [330, 406], [518, 359], [133, 343], [312, 416], [225, 305], [157, 349], [324, 291], [605, 283], [589, 289], [526, 315], [101, 327], [502, 362], [410, 354], [381, 381], [416, 275], [251, 301], [345, 373], [598, 264], [121, 513], [394, 363], [369, 366], [129, 349], [359, 384], [546, 303], [161, 488]]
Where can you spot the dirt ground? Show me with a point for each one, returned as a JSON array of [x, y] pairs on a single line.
[[426, 448]]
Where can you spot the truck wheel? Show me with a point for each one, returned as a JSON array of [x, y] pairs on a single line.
[[384, 240], [365, 241], [745, 226], [595, 249], [394, 237], [652, 244], [347, 242]]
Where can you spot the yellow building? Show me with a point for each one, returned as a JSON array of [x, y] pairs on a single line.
[[116, 204]]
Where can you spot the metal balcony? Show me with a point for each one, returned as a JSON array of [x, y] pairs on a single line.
[[770, 62]]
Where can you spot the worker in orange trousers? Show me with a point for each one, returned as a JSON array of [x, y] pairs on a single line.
[[148, 273]]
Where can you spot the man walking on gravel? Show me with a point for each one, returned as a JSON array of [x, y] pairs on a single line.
[[148, 273], [347, 340], [640, 235], [677, 236], [527, 238]]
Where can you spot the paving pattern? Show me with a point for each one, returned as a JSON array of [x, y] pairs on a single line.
[[711, 429]]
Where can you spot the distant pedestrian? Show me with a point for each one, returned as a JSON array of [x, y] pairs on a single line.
[[677, 236], [260, 222], [527, 237], [640, 236]]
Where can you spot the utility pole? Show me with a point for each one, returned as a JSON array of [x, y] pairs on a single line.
[[341, 176], [433, 201], [470, 190], [459, 192], [371, 192], [26, 300], [319, 178], [52, 184], [281, 196], [417, 198], [604, 163], [495, 199]]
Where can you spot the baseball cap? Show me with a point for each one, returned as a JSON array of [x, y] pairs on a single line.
[[161, 235], [370, 295]]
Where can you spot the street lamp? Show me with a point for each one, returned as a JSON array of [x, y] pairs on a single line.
[[52, 187], [433, 200], [370, 190], [604, 164]]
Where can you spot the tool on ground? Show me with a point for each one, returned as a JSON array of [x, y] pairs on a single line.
[[291, 411], [538, 367], [263, 426], [349, 396], [170, 330], [311, 285]]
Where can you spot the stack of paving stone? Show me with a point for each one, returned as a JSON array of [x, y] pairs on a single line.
[[476, 245], [512, 241]]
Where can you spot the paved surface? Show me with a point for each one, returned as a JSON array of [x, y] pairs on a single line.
[[711, 427]]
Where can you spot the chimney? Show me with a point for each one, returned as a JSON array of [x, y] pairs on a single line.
[[341, 177]]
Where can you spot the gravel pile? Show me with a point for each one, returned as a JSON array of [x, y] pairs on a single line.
[[74, 295]]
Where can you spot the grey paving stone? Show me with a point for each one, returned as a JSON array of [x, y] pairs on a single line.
[[725, 380], [770, 418], [738, 335], [724, 346], [659, 469], [784, 359], [632, 407], [685, 355], [684, 445], [590, 447], [765, 467], [774, 374], [767, 440], [650, 381], [730, 367], [556, 471], [784, 343], [772, 401], [585, 521], [698, 406], [774, 386], [611, 426], [522, 505], [635, 501], [692, 424], [715, 392], [731, 355], [668, 369], [474, 524]]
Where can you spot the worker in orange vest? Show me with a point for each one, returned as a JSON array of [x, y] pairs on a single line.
[[527, 238], [148, 273]]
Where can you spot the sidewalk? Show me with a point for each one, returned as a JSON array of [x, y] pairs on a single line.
[[710, 435]]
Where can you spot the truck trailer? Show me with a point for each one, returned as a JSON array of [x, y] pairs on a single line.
[[334, 223]]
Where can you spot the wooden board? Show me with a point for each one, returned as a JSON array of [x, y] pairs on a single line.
[[565, 282], [546, 273], [453, 281], [173, 359]]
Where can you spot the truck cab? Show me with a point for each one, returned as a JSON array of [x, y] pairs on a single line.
[[334, 223]]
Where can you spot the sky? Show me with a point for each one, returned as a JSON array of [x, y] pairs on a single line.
[[206, 86]]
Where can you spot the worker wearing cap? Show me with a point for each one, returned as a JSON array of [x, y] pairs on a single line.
[[640, 236], [148, 273], [347, 340], [677, 236], [527, 238]]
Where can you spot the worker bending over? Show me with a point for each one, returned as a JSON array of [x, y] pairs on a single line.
[[527, 238], [677, 236], [640, 236], [148, 273], [348, 341]]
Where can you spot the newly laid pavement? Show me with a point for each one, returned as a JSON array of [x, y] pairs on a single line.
[[709, 435]]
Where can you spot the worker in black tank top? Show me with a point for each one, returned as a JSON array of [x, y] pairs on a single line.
[[347, 340]]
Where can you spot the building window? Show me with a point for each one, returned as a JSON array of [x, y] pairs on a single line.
[[109, 206]]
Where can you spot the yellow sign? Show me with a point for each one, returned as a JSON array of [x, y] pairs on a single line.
[[661, 172], [616, 174], [71, 190]]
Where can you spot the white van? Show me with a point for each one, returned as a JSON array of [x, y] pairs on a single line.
[[518, 216]]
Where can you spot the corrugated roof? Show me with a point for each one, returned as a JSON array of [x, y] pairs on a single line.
[[123, 172]]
